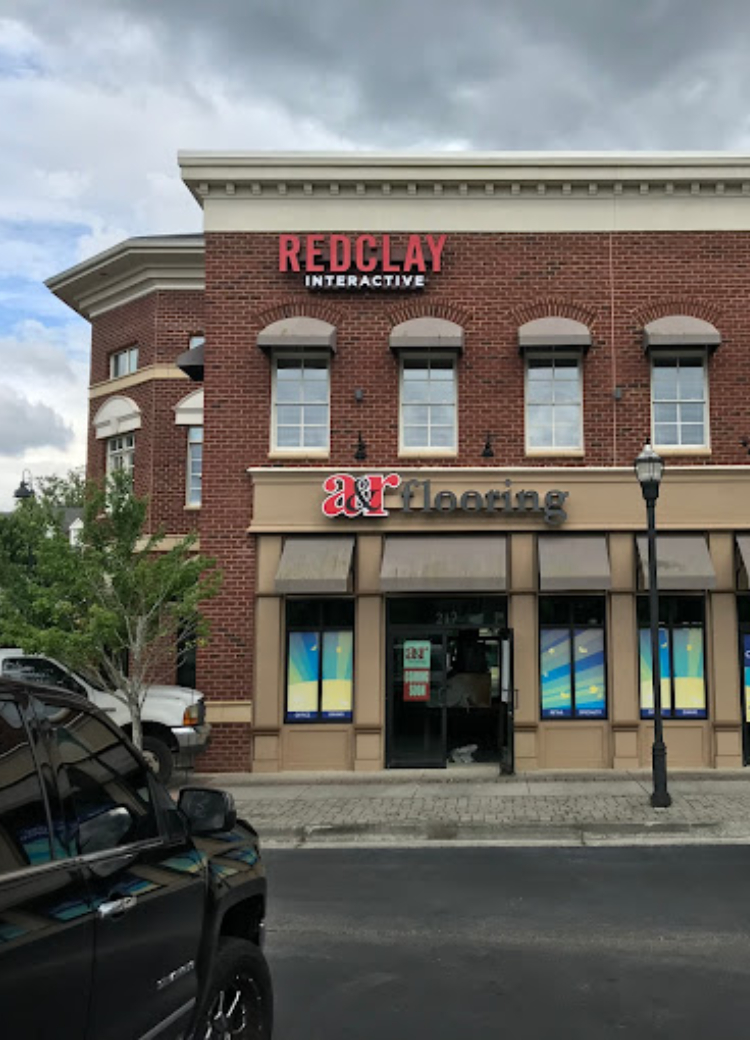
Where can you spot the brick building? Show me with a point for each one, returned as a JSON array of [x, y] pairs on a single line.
[[400, 399]]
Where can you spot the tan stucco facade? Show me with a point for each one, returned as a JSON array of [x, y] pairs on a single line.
[[712, 503]]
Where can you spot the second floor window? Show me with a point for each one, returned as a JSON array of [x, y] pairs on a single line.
[[679, 402], [554, 405], [194, 465], [428, 404], [121, 453], [301, 404], [123, 363]]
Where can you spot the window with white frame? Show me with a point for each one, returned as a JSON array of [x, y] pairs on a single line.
[[679, 401], [121, 453], [554, 403], [194, 465], [123, 363], [301, 406], [428, 403]]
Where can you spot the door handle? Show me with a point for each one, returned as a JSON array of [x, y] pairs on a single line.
[[115, 908]]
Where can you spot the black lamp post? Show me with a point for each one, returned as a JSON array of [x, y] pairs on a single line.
[[26, 488], [649, 468]]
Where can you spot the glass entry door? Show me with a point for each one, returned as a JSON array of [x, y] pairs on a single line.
[[450, 697], [416, 702]]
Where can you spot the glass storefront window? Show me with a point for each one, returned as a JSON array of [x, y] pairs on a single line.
[[320, 660], [572, 657], [681, 658]]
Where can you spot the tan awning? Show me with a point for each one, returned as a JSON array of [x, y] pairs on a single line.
[[315, 565], [682, 562], [427, 334], [441, 563], [572, 563], [554, 333], [743, 544], [298, 333], [680, 330]]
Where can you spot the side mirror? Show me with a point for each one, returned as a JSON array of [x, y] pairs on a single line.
[[206, 810]]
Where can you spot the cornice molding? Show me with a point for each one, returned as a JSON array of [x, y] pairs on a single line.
[[130, 270], [143, 375]]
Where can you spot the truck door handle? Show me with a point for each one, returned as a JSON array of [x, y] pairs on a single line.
[[115, 908]]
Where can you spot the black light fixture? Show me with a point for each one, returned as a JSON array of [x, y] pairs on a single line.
[[649, 469], [488, 451], [360, 453], [26, 488]]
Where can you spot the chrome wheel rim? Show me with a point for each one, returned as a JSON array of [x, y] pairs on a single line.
[[235, 1012]]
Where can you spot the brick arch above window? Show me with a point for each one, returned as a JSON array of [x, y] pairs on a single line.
[[189, 411], [323, 310], [553, 307], [554, 332], [117, 415], [428, 309]]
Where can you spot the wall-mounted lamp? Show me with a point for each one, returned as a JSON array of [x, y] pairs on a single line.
[[359, 395], [26, 488], [745, 442], [360, 452], [488, 451]]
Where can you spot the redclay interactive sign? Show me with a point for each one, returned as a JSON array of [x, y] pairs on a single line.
[[361, 261]]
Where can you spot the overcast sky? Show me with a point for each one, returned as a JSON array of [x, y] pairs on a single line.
[[97, 96]]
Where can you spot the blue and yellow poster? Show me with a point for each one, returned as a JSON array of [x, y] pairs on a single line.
[[303, 676], [338, 667]]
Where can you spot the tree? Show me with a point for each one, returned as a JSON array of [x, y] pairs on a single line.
[[115, 605]]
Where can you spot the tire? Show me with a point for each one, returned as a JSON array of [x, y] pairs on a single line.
[[238, 1003], [159, 757]]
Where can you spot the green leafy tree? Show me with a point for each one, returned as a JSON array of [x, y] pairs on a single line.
[[112, 605]]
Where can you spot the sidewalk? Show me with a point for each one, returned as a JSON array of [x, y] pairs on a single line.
[[472, 805]]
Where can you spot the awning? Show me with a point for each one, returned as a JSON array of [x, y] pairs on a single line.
[[743, 544], [299, 333], [192, 361], [680, 330], [427, 334], [682, 562], [315, 565], [442, 563], [553, 334], [573, 563]]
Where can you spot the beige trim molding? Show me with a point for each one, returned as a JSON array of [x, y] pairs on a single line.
[[130, 270], [143, 375], [169, 541], [491, 192], [229, 711]]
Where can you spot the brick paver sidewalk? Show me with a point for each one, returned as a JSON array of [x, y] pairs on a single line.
[[474, 805]]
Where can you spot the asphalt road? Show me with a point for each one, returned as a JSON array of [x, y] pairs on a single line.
[[528, 944]]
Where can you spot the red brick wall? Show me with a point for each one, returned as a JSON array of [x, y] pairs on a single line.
[[490, 284]]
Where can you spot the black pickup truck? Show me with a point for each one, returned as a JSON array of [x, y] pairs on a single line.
[[122, 915]]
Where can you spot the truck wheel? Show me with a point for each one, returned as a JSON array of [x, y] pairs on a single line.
[[238, 1003], [159, 757]]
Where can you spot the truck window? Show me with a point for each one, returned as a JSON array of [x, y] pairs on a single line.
[[40, 670]]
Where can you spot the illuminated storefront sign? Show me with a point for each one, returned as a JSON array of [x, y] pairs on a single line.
[[362, 261], [363, 496]]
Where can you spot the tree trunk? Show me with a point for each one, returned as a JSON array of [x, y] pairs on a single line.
[[137, 731]]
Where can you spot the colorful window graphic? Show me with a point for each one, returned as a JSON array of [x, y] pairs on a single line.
[[573, 679], [746, 673], [320, 672], [303, 675], [338, 667], [683, 686]]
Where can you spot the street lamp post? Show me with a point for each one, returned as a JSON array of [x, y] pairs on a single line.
[[649, 468]]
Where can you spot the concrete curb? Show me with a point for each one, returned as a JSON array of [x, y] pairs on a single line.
[[439, 834]]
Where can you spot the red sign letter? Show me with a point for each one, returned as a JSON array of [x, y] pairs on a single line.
[[314, 253], [387, 265], [378, 484], [341, 253], [414, 255], [365, 242], [436, 248], [289, 246]]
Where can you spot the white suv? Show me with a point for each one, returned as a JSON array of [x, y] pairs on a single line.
[[175, 730]]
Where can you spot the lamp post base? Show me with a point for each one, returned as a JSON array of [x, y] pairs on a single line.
[[661, 798]]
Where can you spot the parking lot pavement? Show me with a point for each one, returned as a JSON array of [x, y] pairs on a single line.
[[462, 807]]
